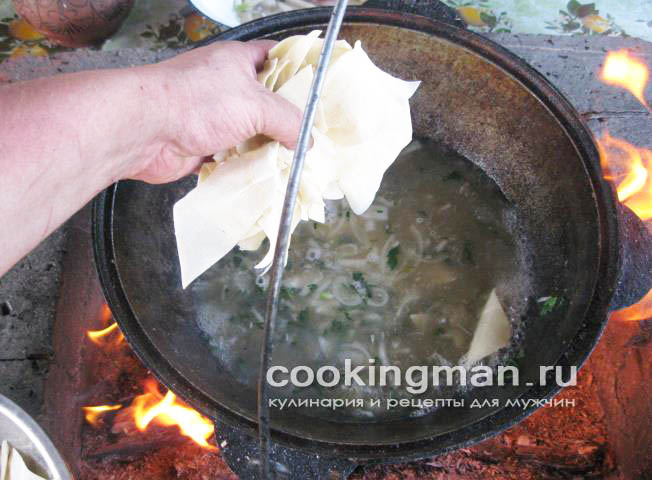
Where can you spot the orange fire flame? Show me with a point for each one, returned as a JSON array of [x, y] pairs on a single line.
[[154, 408], [637, 312], [622, 70], [627, 166], [166, 410], [92, 414], [99, 336]]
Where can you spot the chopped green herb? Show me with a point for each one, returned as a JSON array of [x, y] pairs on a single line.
[[312, 287], [288, 292], [549, 304], [315, 225], [439, 331], [392, 257], [380, 210], [348, 214], [454, 175], [303, 316], [361, 284], [514, 362], [242, 7], [361, 294], [336, 326]]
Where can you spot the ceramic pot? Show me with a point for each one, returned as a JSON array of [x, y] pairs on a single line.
[[74, 23]]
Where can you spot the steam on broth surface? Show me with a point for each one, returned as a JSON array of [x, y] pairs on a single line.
[[402, 284]]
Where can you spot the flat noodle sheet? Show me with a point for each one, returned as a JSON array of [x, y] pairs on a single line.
[[362, 124], [224, 210], [492, 333], [291, 54], [12, 465]]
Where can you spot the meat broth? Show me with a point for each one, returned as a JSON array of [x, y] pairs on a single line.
[[403, 284]]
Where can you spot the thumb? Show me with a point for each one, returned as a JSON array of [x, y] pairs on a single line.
[[278, 118]]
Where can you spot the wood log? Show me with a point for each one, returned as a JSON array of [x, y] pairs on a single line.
[[138, 444]]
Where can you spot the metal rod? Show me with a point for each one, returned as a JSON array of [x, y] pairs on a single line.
[[282, 241]]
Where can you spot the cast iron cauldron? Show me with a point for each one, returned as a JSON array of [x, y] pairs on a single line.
[[484, 103]]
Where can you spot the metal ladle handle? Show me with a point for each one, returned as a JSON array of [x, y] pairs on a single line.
[[285, 227]]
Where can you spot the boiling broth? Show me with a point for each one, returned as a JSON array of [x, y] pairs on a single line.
[[403, 284]]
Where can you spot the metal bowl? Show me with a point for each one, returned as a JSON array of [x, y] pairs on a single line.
[[24, 434]]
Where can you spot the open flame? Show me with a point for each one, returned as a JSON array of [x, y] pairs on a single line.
[[627, 165], [166, 410], [100, 337], [622, 70], [151, 407], [92, 414], [155, 408]]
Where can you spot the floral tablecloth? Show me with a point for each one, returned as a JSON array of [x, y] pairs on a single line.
[[172, 23]]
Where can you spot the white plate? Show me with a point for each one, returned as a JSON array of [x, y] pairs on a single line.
[[220, 11], [24, 434]]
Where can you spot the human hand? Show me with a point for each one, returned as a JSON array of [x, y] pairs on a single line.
[[67, 137], [212, 102]]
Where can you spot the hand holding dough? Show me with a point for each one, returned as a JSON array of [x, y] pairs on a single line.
[[363, 122]]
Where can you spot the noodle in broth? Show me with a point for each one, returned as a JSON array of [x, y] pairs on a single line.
[[403, 284]]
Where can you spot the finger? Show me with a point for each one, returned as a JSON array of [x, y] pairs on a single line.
[[257, 50], [278, 118]]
